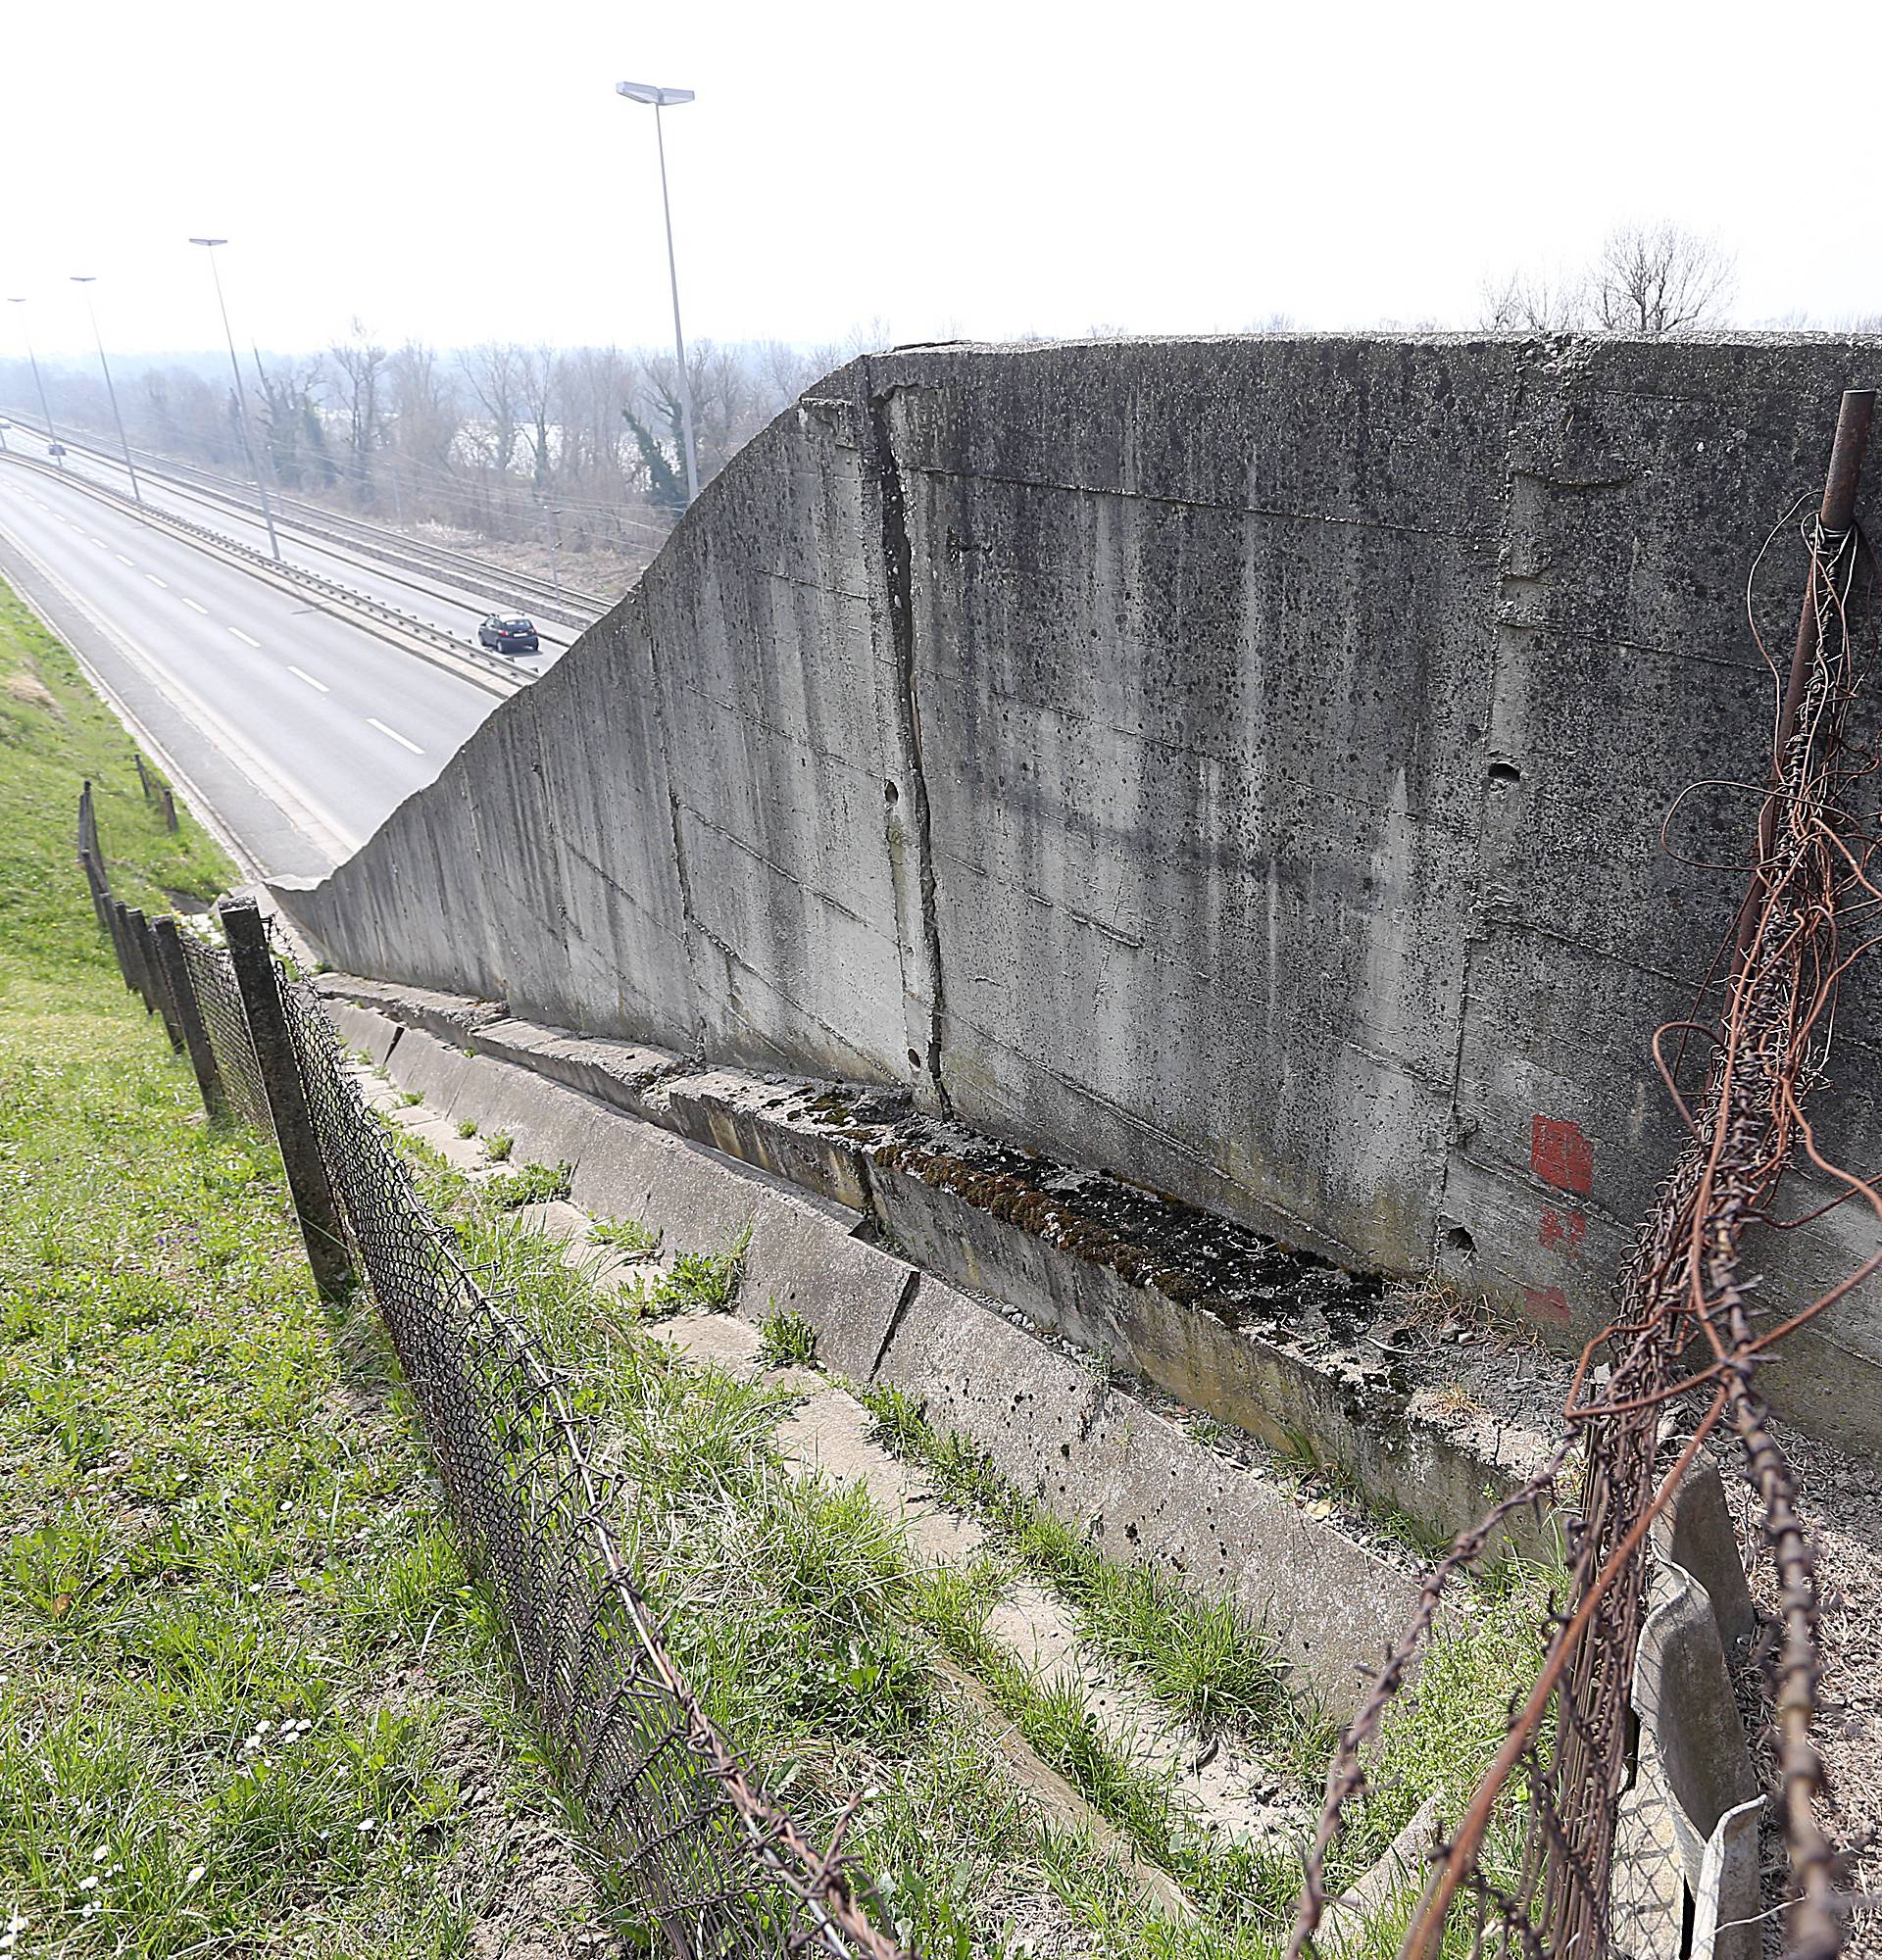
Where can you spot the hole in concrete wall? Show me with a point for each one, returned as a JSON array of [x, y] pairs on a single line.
[[1501, 774], [1458, 1243], [914, 1060], [890, 794]]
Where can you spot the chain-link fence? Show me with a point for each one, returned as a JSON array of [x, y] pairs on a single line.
[[212, 984], [717, 1867]]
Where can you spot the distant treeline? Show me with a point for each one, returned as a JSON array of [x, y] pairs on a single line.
[[502, 439]]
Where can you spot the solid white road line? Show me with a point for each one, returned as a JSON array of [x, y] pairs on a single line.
[[301, 674], [193, 607], [122, 559], [243, 637], [155, 580], [373, 721], [323, 830]]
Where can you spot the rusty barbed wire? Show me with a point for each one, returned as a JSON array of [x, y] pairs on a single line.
[[1689, 1331], [719, 1866]]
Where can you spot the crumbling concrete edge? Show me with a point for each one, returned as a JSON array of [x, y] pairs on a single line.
[[1320, 1409], [1085, 1449], [1683, 1692]]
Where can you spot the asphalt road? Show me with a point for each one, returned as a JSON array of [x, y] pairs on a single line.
[[298, 731], [427, 596]]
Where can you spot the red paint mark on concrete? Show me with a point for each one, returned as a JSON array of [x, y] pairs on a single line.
[[1559, 1155], [1547, 1304], [1566, 1229]]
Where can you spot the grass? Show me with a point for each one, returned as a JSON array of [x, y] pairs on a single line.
[[627, 1236], [467, 1128], [1198, 1657], [786, 1341], [532, 1184], [498, 1144], [248, 1699], [237, 1646]]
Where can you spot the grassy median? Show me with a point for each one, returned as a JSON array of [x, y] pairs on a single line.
[[247, 1699]]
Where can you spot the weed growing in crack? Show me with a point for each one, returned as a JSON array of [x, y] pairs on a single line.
[[498, 1144], [786, 1339], [629, 1237], [532, 1184]]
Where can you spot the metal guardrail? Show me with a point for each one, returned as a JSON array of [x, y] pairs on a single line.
[[481, 579], [444, 649]]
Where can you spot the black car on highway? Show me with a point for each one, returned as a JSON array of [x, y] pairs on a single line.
[[508, 633]]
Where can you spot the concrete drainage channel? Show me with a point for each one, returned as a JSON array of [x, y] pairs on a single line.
[[974, 1326]]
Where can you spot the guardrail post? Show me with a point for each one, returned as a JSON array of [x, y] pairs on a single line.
[[189, 1011], [307, 1181]]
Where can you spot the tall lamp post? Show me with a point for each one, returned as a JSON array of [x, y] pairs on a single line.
[[667, 98], [88, 280], [53, 446], [242, 399]]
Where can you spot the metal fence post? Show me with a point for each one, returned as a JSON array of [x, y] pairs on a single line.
[[189, 1011], [307, 1179]]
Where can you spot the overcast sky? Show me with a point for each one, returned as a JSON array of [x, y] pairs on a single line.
[[464, 171]]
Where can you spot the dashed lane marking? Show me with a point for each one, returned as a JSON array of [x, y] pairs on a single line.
[[243, 637], [193, 607], [155, 580], [301, 674], [373, 720]]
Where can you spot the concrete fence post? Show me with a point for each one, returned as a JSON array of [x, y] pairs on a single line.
[[114, 926], [159, 979], [189, 1013], [141, 983], [307, 1180]]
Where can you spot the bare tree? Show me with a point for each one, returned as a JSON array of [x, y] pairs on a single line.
[[360, 366], [495, 372], [1534, 303], [292, 427], [1658, 279], [539, 379]]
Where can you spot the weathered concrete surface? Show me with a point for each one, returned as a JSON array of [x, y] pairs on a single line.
[[1088, 1450], [1285, 1346], [1236, 763]]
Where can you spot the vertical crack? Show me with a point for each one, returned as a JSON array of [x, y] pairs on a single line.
[[898, 563]]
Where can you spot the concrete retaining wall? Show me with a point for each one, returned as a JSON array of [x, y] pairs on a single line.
[[1238, 765]]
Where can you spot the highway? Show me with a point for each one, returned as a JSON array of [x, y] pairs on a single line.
[[298, 730], [427, 596]]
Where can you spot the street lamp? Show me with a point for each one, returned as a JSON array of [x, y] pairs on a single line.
[[88, 280], [241, 399], [667, 98], [54, 448]]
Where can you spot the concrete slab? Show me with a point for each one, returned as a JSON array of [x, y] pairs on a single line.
[[1147, 1491]]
